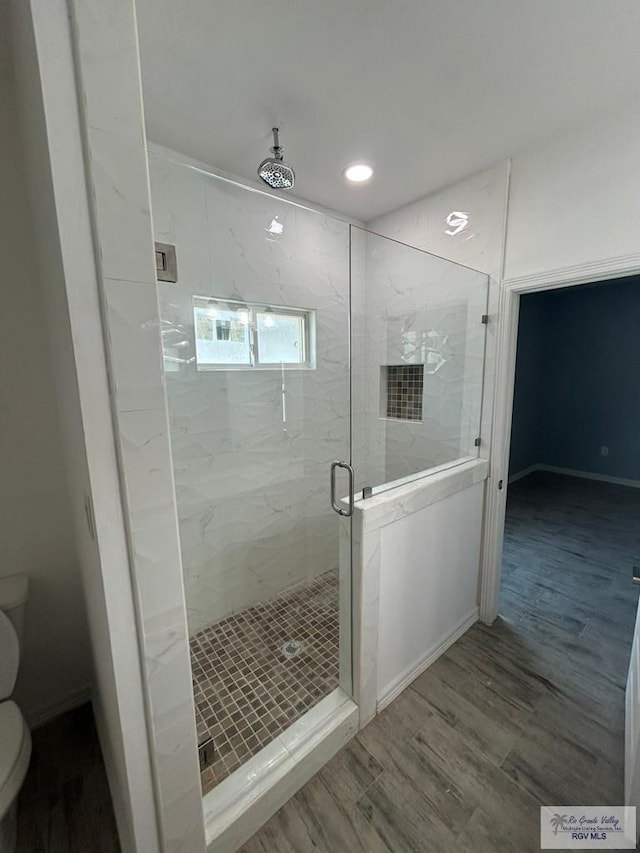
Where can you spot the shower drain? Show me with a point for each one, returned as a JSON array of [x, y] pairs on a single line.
[[292, 648]]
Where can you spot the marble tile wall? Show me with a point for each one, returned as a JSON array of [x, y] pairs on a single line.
[[464, 223], [115, 146], [252, 486], [419, 309], [252, 448]]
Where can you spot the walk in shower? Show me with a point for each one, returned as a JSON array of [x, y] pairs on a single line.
[[256, 348], [293, 340]]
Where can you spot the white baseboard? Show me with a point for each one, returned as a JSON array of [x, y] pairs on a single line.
[[524, 473], [417, 668], [587, 475], [570, 472], [39, 716]]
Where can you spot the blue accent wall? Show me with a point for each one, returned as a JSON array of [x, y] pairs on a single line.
[[578, 380], [528, 397]]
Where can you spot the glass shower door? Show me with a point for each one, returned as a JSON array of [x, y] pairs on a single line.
[[257, 363]]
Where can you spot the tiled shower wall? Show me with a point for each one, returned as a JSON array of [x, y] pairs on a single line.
[[244, 541], [416, 302], [108, 71], [252, 448], [481, 201]]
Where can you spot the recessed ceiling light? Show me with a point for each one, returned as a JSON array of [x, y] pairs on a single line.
[[358, 172]]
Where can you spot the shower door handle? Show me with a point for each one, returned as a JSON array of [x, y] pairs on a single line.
[[345, 512]]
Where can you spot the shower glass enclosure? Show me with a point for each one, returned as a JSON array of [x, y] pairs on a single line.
[[292, 341], [256, 350]]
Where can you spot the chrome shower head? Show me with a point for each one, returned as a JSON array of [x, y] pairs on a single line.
[[274, 171]]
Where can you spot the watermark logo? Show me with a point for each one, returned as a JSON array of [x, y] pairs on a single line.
[[457, 221], [588, 828], [558, 821]]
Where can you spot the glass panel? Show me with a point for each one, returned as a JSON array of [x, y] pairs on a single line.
[[281, 338], [222, 333], [258, 410], [241, 335], [418, 360]]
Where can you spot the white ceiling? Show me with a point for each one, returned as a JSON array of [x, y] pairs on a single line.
[[428, 91]]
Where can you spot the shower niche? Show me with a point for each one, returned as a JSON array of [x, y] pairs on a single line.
[[401, 391]]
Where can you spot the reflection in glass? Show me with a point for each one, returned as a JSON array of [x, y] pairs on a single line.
[[457, 221], [280, 337], [238, 335], [222, 334]]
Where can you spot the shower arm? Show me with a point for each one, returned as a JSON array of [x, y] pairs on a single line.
[[277, 150]]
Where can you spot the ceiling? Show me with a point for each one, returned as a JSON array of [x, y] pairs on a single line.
[[428, 91]]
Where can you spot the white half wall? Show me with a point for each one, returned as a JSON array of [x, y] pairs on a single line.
[[416, 572], [429, 563], [36, 530]]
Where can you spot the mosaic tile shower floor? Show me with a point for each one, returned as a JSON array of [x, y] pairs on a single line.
[[247, 690]]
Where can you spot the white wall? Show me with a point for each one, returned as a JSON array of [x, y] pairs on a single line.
[[63, 247], [36, 532], [252, 448], [575, 199]]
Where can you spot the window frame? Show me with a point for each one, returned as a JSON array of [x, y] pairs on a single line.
[[254, 309]]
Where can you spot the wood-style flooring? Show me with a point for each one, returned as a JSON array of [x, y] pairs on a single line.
[[65, 805], [526, 712]]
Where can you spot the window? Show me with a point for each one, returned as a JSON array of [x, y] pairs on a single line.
[[236, 335]]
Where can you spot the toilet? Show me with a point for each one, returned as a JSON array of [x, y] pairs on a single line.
[[15, 739]]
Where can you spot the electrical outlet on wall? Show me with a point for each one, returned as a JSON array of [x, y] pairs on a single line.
[[604, 451]]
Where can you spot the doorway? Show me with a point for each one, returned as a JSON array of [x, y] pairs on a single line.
[[571, 532]]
